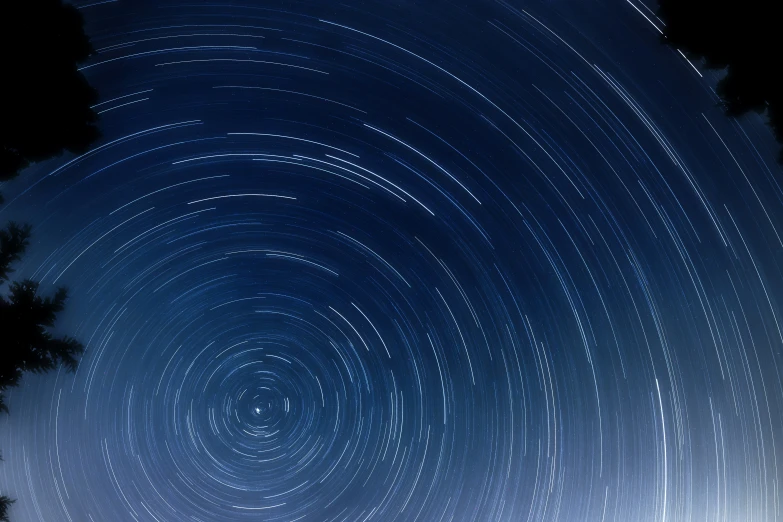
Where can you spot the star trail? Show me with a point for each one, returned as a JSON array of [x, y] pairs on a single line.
[[374, 261]]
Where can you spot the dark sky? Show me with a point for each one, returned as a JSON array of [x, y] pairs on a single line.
[[406, 262]]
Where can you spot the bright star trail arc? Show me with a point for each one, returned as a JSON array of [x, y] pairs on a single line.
[[403, 262]]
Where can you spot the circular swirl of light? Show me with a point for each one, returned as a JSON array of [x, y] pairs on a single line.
[[338, 267]]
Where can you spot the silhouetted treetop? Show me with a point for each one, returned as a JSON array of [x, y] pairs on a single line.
[[26, 345], [46, 105], [742, 37]]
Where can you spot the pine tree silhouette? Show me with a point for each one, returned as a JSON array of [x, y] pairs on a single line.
[[5, 503], [25, 317]]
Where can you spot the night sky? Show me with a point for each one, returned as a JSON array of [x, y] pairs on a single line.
[[397, 261]]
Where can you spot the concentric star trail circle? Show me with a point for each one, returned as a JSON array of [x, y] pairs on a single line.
[[403, 262]]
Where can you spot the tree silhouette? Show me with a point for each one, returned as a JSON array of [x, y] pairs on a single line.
[[47, 109], [5, 503], [24, 320], [740, 37], [47, 101]]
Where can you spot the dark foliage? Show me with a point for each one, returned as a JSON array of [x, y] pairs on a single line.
[[25, 317], [46, 100], [5, 503], [740, 37]]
